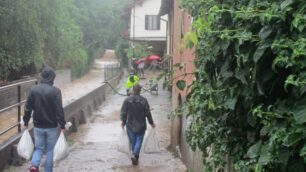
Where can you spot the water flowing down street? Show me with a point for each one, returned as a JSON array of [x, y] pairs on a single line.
[[93, 147], [225, 80]]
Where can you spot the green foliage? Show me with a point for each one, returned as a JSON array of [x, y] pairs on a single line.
[[141, 50], [181, 84], [36, 32], [21, 36], [60, 33], [248, 100], [120, 51]]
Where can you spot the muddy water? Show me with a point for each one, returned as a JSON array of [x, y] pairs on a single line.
[[70, 90], [93, 147]]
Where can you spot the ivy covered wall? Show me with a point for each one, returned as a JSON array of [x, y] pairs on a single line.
[[248, 100]]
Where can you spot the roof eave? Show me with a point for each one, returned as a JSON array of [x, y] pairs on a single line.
[[166, 7]]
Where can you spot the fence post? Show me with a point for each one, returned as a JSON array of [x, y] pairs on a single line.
[[105, 70], [112, 70], [19, 107]]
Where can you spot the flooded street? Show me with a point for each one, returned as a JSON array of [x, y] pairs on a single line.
[[93, 147]]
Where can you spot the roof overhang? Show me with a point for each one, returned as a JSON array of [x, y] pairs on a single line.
[[166, 7], [131, 5], [149, 39], [134, 2]]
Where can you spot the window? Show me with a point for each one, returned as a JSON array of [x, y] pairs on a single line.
[[152, 22]]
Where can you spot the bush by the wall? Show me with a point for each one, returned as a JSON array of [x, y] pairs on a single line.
[[248, 100]]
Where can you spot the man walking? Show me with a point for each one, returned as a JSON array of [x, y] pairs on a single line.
[[45, 101], [134, 111]]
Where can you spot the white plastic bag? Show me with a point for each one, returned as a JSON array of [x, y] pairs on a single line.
[[151, 144], [61, 149], [124, 143], [25, 146]]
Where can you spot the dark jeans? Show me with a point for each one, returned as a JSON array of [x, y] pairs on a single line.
[[135, 140]]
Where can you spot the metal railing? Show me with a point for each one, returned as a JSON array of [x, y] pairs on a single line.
[[111, 71], [20, 102]]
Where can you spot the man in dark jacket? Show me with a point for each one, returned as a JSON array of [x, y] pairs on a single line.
[[134, 111], [45, 101]]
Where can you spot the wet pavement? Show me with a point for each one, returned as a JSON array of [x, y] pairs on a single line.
[[93, 147]]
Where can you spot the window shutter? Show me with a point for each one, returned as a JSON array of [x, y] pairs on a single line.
[[147, 22], [152, 22], [158, 22]]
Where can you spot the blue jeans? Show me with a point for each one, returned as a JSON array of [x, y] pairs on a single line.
[[136, 141], [45, 139]]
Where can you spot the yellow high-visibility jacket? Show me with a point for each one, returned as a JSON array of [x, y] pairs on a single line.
[[129, 84]]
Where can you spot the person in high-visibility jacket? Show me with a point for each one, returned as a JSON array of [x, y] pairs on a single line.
[[130, 82]]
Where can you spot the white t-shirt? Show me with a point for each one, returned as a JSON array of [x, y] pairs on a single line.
[[141, 65]]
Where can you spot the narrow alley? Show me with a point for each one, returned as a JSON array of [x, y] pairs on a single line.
[[93, 147]]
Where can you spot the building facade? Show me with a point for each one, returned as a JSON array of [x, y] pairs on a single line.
[[145, 25], [179, 23]]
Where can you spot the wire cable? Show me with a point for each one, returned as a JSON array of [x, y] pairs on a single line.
[[116, 92]]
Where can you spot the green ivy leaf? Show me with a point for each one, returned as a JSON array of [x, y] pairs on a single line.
[[259, 52], [291, 80], [264, 131], [303, 151], [253, 151], [265, 32], [265, 156], [193, 38], [293, 138], [181, 84], [299, 112], [231, 103], [286, 3]]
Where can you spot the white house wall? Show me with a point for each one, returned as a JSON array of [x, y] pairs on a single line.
[[148, 7]]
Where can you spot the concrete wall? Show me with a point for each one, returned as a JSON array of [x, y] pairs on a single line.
[[179, 124], [147, 7], [77, 112]]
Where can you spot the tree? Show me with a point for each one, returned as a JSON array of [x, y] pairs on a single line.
[[60, 33]]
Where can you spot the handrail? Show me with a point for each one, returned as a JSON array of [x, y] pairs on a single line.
[[9, 128], [12, 106], [16, 84], [18, 105]]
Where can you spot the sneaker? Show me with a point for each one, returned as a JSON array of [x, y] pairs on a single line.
[[34, 169], [134, 160]]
